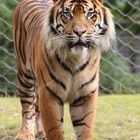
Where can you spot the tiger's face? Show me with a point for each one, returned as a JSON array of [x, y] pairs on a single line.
[[83, 24]]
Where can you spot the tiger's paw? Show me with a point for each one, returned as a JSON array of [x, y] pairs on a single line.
[[40, 135], [25, 135]]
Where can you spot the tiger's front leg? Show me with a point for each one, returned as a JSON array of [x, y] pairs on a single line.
[[40, 131], [83, 112], [27, 98], [51, 109]]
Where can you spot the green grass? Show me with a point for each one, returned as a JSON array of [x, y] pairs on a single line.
[[118, 118]]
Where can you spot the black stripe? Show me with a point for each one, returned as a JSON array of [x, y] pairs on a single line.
[[105, 16], [26, 102], [79, 122], [81, 100], [51, 21], [84, 1], [54, 77], [37, 109], [79, 136], [77, 101], [54, 94], [21, 43], [103, 31], [21, 72], [58, 26], [52, 129], [65, 67], [25, 94], [50, 90], [29, 118], [82, 67], [25, 112], [25, 83], [88, 82], [56, 80], [62, 120], [53, 30]]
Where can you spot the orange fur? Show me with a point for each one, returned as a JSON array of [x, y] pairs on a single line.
[[59, 44]]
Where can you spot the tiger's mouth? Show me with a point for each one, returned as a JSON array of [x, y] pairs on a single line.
[[78, 46]]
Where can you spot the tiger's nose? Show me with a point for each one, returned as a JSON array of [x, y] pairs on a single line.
[[79, 31]]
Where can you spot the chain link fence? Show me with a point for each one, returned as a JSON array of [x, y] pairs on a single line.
[[120, 67]]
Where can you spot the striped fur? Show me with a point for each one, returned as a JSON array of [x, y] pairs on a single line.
[[58, 44]]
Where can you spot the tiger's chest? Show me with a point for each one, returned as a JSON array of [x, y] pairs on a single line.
[[69, 85], [69, 88], [68, 82], [82, 85]]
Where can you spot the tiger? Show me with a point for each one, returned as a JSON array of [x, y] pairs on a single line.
[[58, 45]]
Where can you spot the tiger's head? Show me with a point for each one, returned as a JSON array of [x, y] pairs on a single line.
[[79, 26]]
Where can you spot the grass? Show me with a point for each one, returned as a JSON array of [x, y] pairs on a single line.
[[118, 118]]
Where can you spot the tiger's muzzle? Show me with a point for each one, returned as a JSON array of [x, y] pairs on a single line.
[[78, 46]]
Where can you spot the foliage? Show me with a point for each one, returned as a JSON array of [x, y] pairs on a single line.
[[115, 75], [6, 12], [126, 14]]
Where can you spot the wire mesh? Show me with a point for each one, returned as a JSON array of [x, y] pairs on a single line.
[[120, 67]]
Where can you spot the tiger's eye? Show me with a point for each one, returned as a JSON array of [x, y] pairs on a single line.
[[67, 14], [89, 14]]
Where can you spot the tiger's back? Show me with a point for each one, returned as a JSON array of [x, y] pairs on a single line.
[[58, 44], [28, 19]]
